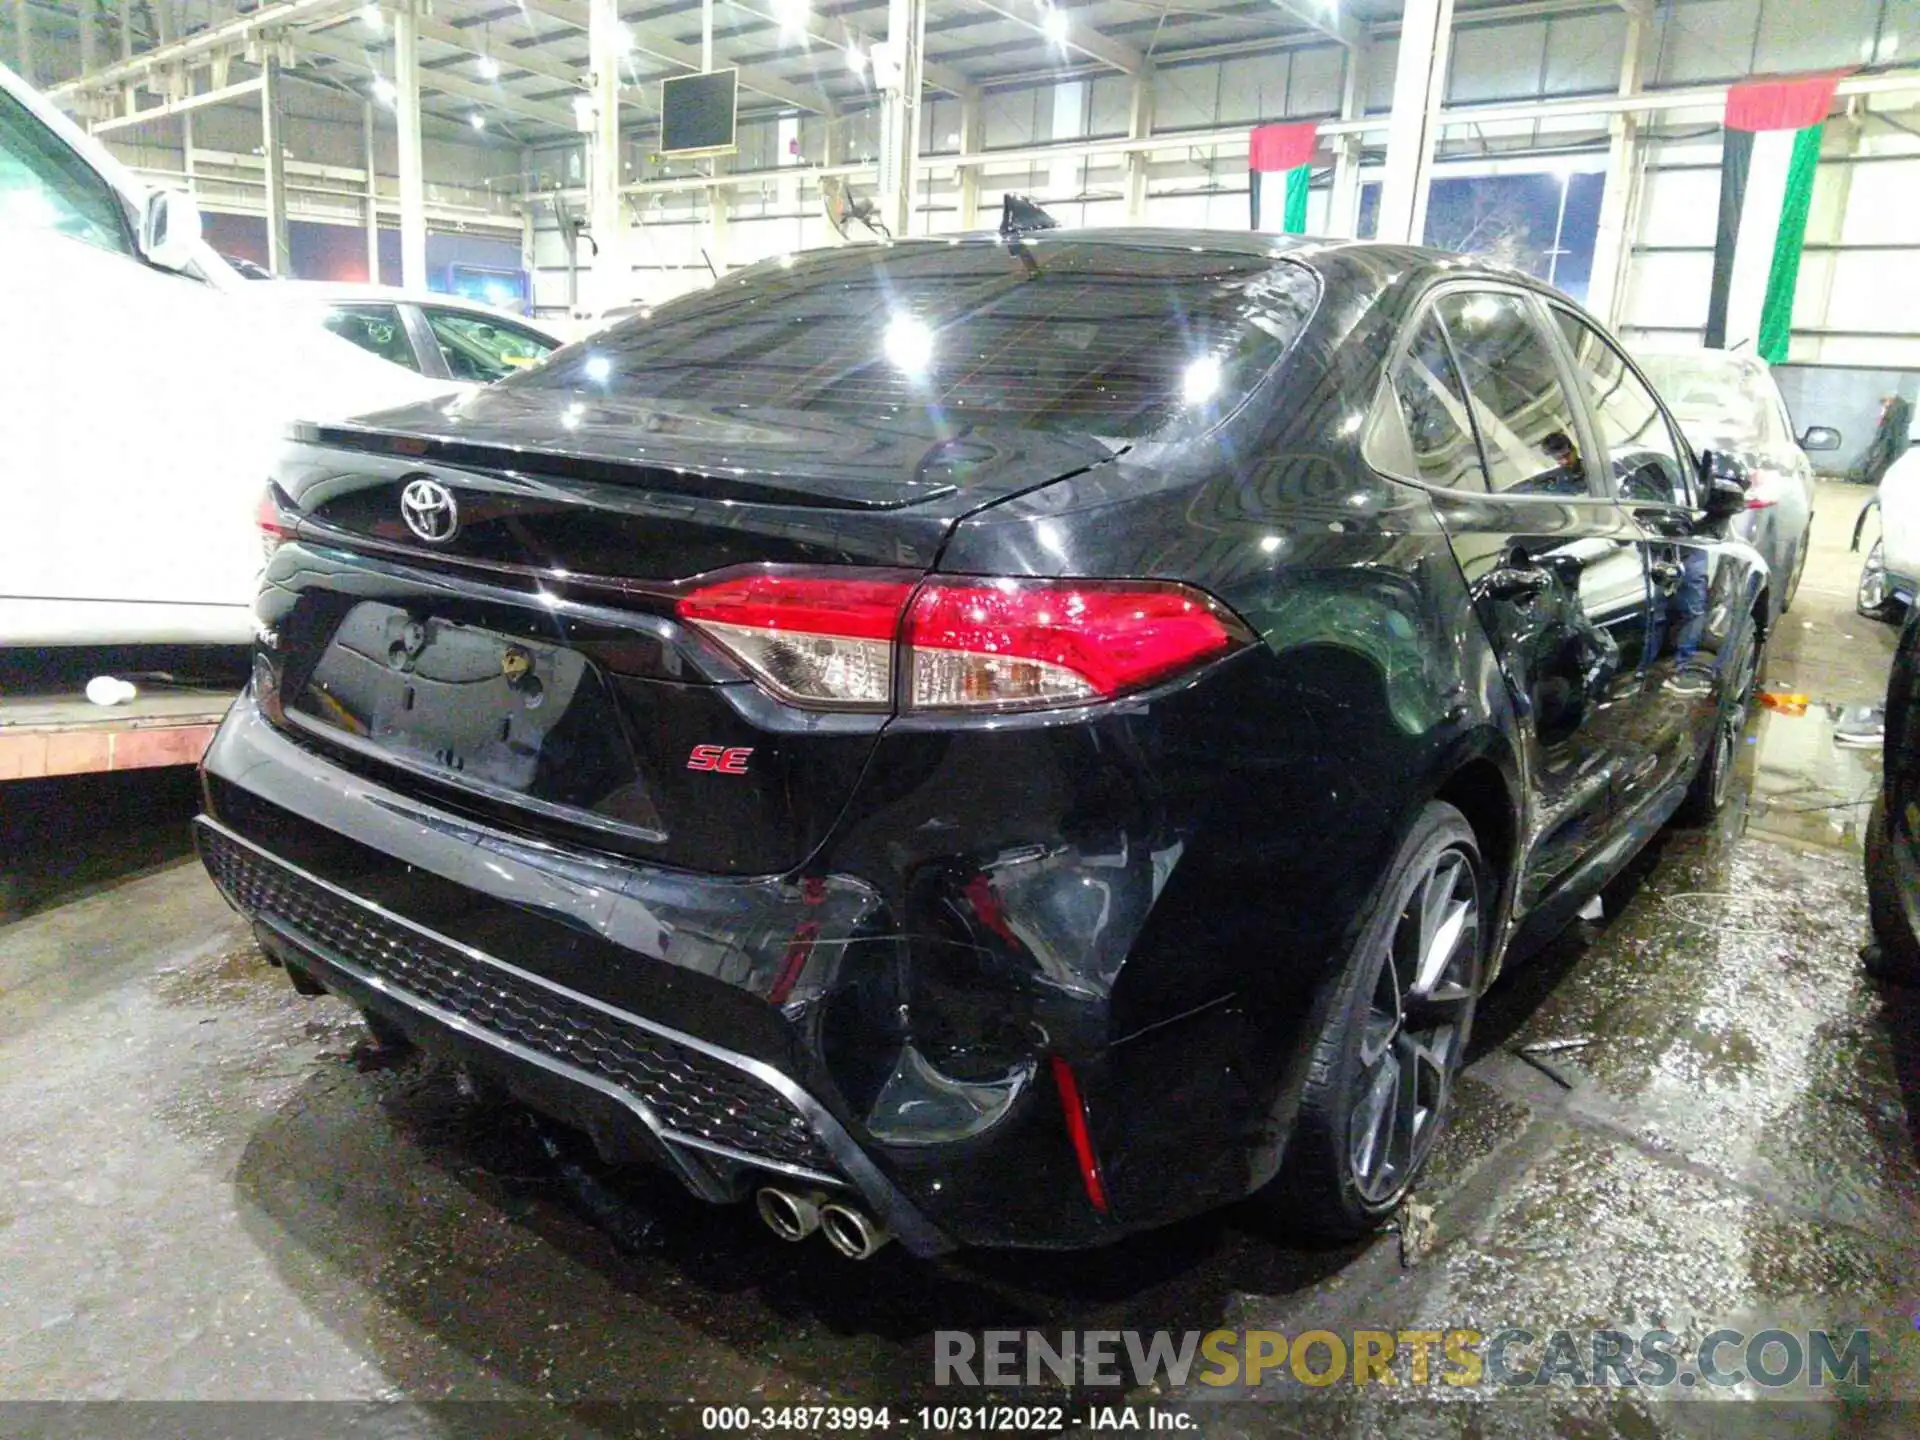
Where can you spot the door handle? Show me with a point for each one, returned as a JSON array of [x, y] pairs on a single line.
[[1517, 582]]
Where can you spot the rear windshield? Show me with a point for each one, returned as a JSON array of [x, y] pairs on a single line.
[[1116, 340]]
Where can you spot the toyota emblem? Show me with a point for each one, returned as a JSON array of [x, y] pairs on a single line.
[[430, 510]]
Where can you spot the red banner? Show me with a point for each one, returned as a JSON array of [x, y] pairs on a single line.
[[1791, 104], [1282, 147]]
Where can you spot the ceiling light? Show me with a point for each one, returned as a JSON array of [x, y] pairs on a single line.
[[792, 15], [371, 17], [856, 59], [624, 35], [1201, 382], [384, 90], [477, 120], [1054, 23], [909, 344], [488, 67], [583, 112]]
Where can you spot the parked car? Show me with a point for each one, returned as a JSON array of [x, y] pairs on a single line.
[[1890, 575], [444, 337], [1893, 825], [990, 743], [142, 403], [1730, 406]]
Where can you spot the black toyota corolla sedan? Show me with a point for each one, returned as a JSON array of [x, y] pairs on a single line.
[[989, 742]]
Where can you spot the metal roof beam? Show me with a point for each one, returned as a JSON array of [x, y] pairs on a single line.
[[1326, 17], [832, 31], [752, 77], [1080, 36], [483, 95], [214, 37]]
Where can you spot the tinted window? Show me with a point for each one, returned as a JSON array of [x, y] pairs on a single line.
[[376, 329], [45, 186], [1097, 337], [1526, 423], [478, 347], [1649, 464], [1433, 406]]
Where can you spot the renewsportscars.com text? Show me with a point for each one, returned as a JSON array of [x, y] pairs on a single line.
[[1770, 1359]]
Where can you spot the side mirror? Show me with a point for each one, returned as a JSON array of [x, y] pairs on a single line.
[[1726, 498], [1820, 437], [169, 230]]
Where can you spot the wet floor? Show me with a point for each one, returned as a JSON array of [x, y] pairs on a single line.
[[1692, 1113]]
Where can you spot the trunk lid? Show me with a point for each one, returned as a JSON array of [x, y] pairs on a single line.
[[512, 648]]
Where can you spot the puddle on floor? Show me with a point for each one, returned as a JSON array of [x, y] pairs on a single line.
[[1800, 786]]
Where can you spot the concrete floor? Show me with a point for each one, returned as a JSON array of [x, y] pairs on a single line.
[[217, 1190]]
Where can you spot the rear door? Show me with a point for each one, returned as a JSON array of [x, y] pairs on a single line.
[[1650, 468], [1552, 564]]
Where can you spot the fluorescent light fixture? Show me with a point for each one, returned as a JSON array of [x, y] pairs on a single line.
[[1054, 24], [385, 91], [909, 344], [477, 120], [1201, 382], [372, 18], [488, 67], [624, 34], [856, 59]]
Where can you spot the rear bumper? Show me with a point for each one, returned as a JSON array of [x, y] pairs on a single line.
[[731, 1030]]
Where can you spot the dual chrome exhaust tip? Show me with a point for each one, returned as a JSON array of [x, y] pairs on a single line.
[[794, 1216]]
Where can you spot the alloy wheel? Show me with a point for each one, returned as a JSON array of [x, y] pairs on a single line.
[[1873, 581], [1415, 1029]]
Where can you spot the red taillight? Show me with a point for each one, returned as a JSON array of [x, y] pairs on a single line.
[[1006, 644], [967, 644], [1763, 488], [276, 526], [811, 638]]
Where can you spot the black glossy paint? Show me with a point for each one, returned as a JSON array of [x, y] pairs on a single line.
[[912, 915]]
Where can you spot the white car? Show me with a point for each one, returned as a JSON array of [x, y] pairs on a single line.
[[1891, 577], [1730, 407], [448, 338], [140, 404]]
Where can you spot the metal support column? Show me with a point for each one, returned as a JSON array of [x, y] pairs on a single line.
[[1343, 209], [89, 47], [1419, 83], [612, 282], [273, 150], [1139, 127], [900, 113], [23, 40], [719, 212], [969, 175], [1613, 244], [126, 29], [406, 115], [373, 194]]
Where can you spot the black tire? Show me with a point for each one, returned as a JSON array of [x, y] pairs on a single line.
[[1713, 781], [1799, 567], [1874, 598], [1333, 1181], [1895, 953]]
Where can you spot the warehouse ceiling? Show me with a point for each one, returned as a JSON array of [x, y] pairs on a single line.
[[520, 62]]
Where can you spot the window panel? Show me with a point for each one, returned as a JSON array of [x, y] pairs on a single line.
[[479, 348], [45, 186], [377, 329], [1648, 463], [1526, 423], [1433, 406]]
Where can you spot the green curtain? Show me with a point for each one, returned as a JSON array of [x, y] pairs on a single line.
[[1294, 222], [1776, 314]]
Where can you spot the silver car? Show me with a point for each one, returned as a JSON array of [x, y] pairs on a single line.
[[1728, 404]]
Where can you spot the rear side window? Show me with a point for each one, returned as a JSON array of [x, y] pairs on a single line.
[[377, 329], [1526, 422], [1103, 338], [45, 186], [477, 347], [1649, 462], [1433, 408]]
